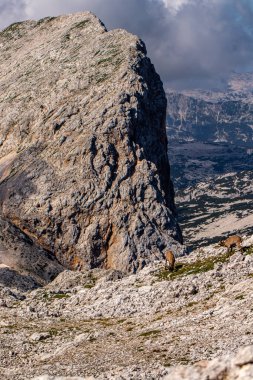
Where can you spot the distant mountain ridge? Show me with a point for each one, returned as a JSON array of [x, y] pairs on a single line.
[[210, 137], [212, 210], [219, 117]]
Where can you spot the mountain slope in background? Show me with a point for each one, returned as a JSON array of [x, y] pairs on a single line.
[[211, 153], [212, 210], [214, 117]]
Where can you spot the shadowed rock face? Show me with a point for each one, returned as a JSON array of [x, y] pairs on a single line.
[[29, 265], [83, 156]]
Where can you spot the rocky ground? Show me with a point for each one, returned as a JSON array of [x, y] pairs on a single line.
[[145, 326]]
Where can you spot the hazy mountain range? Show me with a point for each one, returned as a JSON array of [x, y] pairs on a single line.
[[211, 154]]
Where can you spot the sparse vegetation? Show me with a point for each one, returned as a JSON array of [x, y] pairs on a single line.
[[199, 266], [46, 296], [12, 31], [121, 321], [248, 251], [53, 332], [61, 296], [239, 297], [191, 304], [150, 333], [45, 20], [101, 78], [89, 286], [80, 25]]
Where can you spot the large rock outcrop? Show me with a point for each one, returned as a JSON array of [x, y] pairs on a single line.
[[83, 156]]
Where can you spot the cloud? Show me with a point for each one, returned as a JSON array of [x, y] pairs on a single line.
[[11, 11], [193, 43], [176, 5]]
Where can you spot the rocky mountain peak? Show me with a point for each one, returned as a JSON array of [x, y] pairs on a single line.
[[83, 158]]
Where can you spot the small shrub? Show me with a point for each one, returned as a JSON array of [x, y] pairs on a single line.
[[53, 332], [248, 251], [190, 304], [89, 286], [61, 296], [239, 297]]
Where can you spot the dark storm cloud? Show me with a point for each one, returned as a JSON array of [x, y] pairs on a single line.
[[11, 11], [193, 43]]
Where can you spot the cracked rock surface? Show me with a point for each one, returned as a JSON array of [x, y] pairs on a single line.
[[84, 172]]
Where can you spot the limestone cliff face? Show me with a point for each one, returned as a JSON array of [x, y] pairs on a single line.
[[83, 155]]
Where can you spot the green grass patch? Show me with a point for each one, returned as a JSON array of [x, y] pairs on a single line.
[[248, 251], [89, 286], [53, 332], [91, 282], [51, 296], [199, 266], [61, 296]]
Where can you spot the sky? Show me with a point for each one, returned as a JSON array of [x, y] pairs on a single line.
[[193, 43]]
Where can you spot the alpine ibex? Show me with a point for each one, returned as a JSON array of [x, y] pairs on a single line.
[[169, 260], [231, 242]]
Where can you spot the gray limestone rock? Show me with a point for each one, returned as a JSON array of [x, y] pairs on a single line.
[[84, 172]]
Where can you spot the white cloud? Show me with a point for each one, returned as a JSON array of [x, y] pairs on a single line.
[[191, 42], [175, 5], [10, 11]]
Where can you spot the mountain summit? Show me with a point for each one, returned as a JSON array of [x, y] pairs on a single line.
[[83, 158]]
